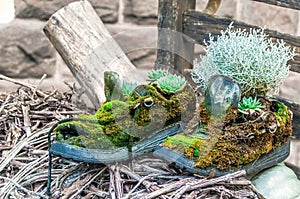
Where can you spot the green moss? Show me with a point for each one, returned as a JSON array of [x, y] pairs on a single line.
[[84, 134], [283, 117], [122, 123], [179, 141], [234, 141], [88, 117], [109, 110], [281, 112], [184, 144], [142, 91]]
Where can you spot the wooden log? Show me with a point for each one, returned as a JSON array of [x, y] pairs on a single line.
[[199, 25], [82, 40], [293, 4]]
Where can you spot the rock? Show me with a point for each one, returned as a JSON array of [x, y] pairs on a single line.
[[43, 9], [290, 87], [201, 4], [221, 94], [141, 12], [273, 17], [227, 9], [112, 86], [106, 9], [277, 182], [138, 42], [145, 12], [25, 51]]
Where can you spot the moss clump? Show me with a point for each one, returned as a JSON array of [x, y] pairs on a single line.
[[234, 141], [283, 117], [121, 123], [107, 112], [84, 133], [185, 144], [281, 111]]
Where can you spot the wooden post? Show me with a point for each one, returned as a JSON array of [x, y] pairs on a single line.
[[173, 48], [87, 48]]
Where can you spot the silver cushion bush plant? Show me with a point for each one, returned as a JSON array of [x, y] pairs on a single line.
[[257, 63]]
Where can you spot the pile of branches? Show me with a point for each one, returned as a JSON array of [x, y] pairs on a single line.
[[27, 114]]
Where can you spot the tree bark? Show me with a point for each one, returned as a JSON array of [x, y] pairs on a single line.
[[174, 48], [88, 49]]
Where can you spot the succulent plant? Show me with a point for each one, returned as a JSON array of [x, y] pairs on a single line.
[[171, 83], [258, 64], [128, 88], [154, 75], [250, 104]]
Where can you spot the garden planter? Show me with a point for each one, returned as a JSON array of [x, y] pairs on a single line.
[[253, 145], [137, 122], [263, 162], [92, 155], [224, 135], [225, 138]]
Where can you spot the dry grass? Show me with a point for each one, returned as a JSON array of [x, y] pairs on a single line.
[[26, 116]]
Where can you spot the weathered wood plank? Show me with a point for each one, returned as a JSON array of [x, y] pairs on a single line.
[[293, 4], [87, 48], [199, 25], [173, 50]]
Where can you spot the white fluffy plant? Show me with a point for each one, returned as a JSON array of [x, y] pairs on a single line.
[[258, 64]]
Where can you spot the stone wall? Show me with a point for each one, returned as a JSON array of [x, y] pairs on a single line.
[[25, 52]]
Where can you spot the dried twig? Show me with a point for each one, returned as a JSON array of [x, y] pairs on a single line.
[[138, 184], [31, 87], [87, 184], [26, 119], [167, 189], [22, 188]]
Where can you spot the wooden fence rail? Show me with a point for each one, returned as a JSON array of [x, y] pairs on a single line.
[[293, 4], [198, 25]]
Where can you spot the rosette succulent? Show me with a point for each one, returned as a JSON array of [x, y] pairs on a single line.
[[169, 83], [154, 75], [128, 88], [250, 104]]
